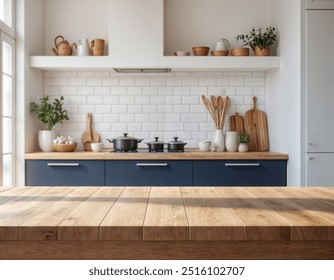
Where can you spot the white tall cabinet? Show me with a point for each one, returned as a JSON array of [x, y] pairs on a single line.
[[320, 93]]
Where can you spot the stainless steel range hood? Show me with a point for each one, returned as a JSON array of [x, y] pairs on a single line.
[[142, 70]]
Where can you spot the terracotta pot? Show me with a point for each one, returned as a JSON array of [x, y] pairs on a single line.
[[263, 52]]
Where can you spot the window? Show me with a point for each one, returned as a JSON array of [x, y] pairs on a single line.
[[7, 16], [7, 94]]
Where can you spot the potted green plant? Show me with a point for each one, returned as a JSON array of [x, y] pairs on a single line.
[[243, 140], [50, 114], [259, 40]]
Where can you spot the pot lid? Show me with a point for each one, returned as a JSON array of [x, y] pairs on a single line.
[[176, 141], [125, 137], [156, 141]]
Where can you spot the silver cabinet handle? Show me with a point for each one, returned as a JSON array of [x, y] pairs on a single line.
[[52, 164], [242, 164], [152, 164]]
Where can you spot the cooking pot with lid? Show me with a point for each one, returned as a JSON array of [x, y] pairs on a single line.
[[125, 143], [176, 146], [156, 146]]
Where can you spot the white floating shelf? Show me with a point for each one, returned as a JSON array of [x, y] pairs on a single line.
[[189, 63]]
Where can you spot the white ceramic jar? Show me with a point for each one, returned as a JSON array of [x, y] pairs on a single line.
[[231, 141], [219, 140], [45, 140]]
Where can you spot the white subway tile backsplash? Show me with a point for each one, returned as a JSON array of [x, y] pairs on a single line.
[[75, 82], [245, 91], [150, 105], [255, 81]]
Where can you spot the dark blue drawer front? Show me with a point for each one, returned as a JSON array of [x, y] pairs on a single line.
[[240, 173], [65, 173], [149, 173]]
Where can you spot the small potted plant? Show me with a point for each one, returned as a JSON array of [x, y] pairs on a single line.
[[259, 40], [243, 140], [50, 114]]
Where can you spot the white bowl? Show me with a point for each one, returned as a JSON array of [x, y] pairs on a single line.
[[204, 146], [96, 147]]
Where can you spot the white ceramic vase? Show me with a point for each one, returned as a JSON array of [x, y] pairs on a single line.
[[243, 147], [219, 140], [231, 141], [45, 138]]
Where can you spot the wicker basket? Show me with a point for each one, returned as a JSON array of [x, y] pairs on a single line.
[[64, 148], [201, 51], [240, 52]]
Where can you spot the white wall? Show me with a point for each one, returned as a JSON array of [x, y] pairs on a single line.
[[74, 19], [191, 23], [283, 86], [29, 85]]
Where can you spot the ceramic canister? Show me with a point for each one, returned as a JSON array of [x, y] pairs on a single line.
[[231, 141]]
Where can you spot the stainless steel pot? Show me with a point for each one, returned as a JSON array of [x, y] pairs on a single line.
[[125, 143], [176, 146], [156, 146]]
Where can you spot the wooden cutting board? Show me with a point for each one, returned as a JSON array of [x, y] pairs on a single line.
[[89, 136], [257, 128], [237, 123]]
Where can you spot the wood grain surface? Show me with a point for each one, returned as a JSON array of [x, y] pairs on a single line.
[[189, 154], [237, 123], [148, 218], [257, 128]]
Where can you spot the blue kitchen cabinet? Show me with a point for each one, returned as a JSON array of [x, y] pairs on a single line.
[[149, 173], [65, 173], [240, 173]]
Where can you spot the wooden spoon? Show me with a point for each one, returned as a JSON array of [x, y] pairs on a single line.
[[220, 104], [226, 103], [215, 110], [208, 105]]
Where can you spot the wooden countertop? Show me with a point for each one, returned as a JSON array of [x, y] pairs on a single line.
[[190, 154], [166, 223], [167, 213]]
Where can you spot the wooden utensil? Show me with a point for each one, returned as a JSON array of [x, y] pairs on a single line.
[[220, 103], [215, 110], [237, 123], [208, 105], [257, 128], [89, 136], [226, 103]]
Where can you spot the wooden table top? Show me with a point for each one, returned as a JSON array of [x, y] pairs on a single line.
[[189, 154], [167, 213]]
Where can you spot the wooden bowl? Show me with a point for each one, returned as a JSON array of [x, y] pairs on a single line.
[[240, 52], [219, 53], [201, 51], [181, 53], [64, 148]]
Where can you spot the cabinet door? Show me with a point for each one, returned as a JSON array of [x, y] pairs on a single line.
[[320, 4], [240, 173], [320, 81], [65, 173], [320, 169], [148, 173]]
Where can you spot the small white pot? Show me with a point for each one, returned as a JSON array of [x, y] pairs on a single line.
[[45, 138], [204, 146], [243, 147]]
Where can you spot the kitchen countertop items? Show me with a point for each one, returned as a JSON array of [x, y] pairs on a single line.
[[89, 136], [257, 128], [217, 107]]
